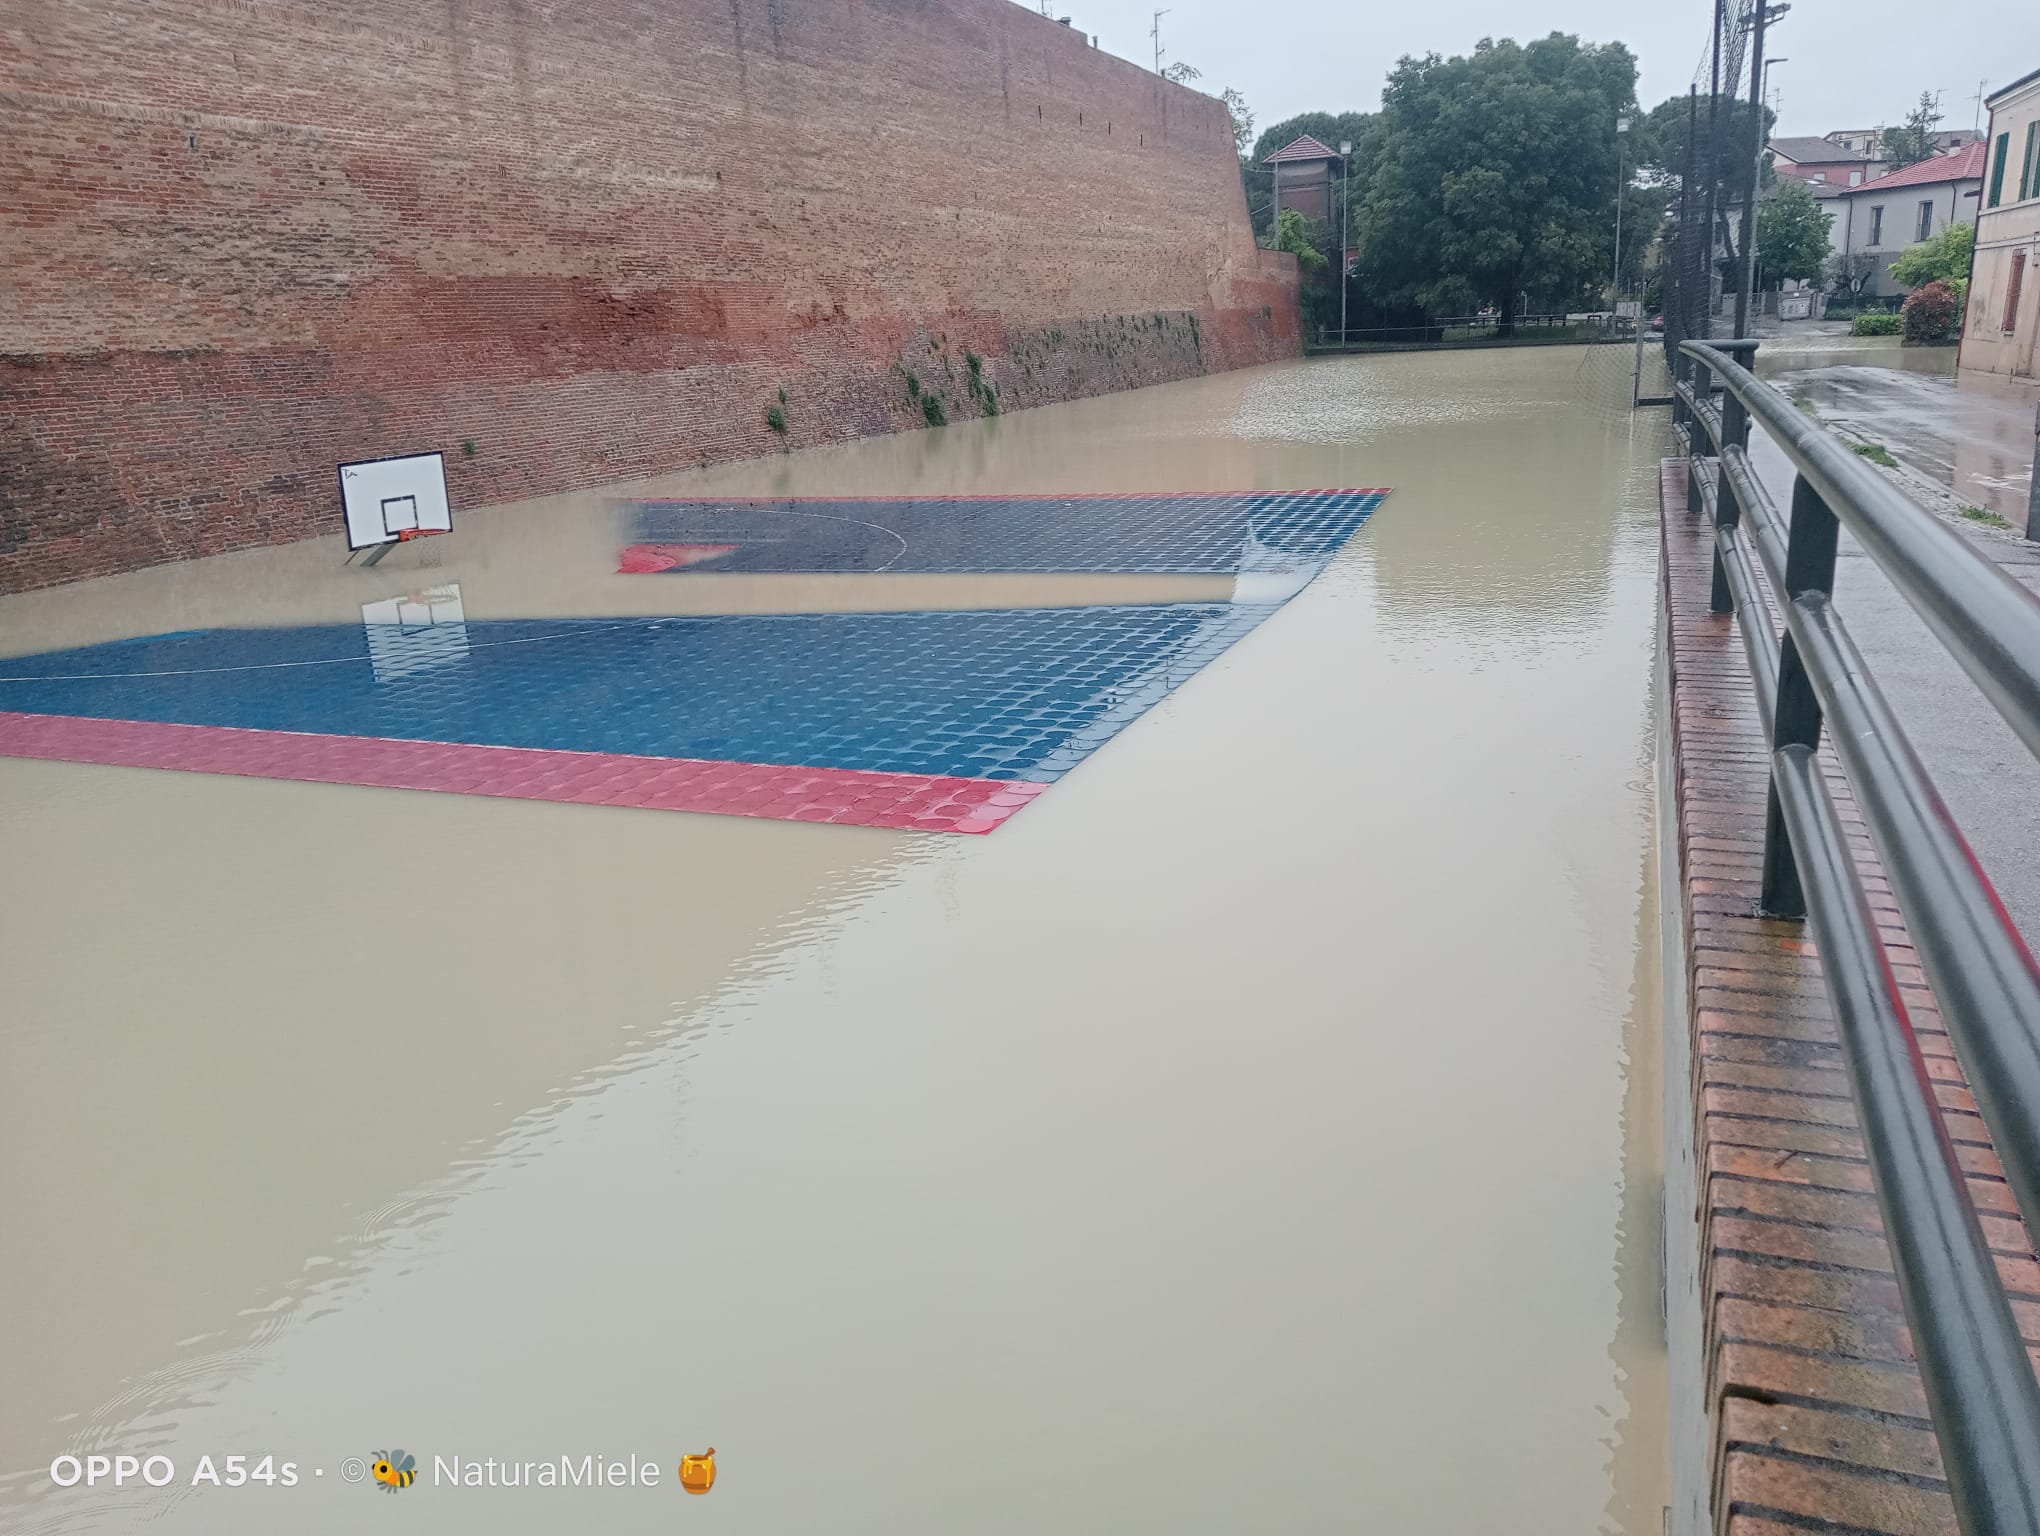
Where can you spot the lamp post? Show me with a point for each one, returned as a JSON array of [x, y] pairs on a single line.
[[1621, 143], [1345, 225], [1763, 105], [1747, 277]]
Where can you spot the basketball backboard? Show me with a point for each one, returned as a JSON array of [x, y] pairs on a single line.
[[385, 499]]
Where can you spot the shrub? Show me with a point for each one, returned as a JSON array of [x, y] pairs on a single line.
[[1931, 314], [1876, 325], [775, 418], [931, 409]]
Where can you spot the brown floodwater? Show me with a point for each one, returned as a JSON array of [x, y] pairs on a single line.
[[1259, 1133]]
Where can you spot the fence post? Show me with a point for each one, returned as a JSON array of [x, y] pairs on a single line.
[[1735, 432], [1809, 567]]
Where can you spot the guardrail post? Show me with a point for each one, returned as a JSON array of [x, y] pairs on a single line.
[[1696, 433], [1735, 432], [1809, 567]]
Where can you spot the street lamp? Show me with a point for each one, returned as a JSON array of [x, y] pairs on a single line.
[[1746, 280], [1621, 143], [1769, 65], [1763, 100], [1345, 225]]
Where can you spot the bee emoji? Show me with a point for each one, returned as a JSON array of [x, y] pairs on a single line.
[[394, 1470]]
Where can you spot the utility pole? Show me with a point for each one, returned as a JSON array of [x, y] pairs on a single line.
[[1747, 277], [1155, 32], [1982, 89], [1713, 178]]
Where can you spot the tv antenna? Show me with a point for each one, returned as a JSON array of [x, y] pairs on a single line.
[[1155, 32]]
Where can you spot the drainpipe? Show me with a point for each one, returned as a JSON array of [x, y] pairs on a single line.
[[2033, 494]]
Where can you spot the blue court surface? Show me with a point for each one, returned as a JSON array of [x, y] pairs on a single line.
[[1004, 694], [947, 706], [1187, 535]]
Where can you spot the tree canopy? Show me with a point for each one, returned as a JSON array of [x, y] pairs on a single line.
[[1913, 140], [1942, 259], [1661, 143], [1792, 233], [1293, 233], [1242, 118], [1495, 174]]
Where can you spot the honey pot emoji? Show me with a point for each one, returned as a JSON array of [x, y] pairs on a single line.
[[697, 1473]]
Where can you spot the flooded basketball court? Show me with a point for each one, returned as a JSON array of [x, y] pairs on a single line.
[[1260, 1132]]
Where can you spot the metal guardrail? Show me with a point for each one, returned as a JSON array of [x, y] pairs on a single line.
[[1476, 331], [1979, 1380]]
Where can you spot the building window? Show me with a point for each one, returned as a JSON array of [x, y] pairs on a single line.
[[1926, 220], [1855, 178], [1877, 225], [1997, 169], [2012, 291], [2029, 184]]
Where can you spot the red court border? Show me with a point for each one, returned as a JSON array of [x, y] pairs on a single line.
[[844, 796]]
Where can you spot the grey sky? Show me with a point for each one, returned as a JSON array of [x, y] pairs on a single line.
[[1849, 63]]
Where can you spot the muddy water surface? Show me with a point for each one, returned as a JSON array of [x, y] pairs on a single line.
[[1256, 1134]]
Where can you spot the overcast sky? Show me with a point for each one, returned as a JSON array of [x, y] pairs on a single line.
[[1848, 63]]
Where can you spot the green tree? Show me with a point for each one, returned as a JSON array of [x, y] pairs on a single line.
[[1660, 145], [1496, 175], [1913, 140], [1300, 236], [1943, 259], [1242, 120], [1792, 233]]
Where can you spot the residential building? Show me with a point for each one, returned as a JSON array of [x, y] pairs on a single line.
[[1823, 158], [1834, 202], [2004, 292], [1870, 141], [1306, 174], [1903, 208]]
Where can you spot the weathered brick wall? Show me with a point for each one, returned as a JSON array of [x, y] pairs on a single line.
[[250, 239]]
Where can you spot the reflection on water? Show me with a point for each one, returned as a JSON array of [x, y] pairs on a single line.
[[1257, 1135]]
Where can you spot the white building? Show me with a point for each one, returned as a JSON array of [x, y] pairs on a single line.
[[2004, 299], [1884, 216]]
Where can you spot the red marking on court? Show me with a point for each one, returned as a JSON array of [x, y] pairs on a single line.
[[845, 796], [645, 559]]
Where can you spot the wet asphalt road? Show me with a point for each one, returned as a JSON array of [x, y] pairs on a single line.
[[1975, 441]]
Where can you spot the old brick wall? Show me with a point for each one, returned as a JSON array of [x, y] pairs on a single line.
[[250, 239]]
